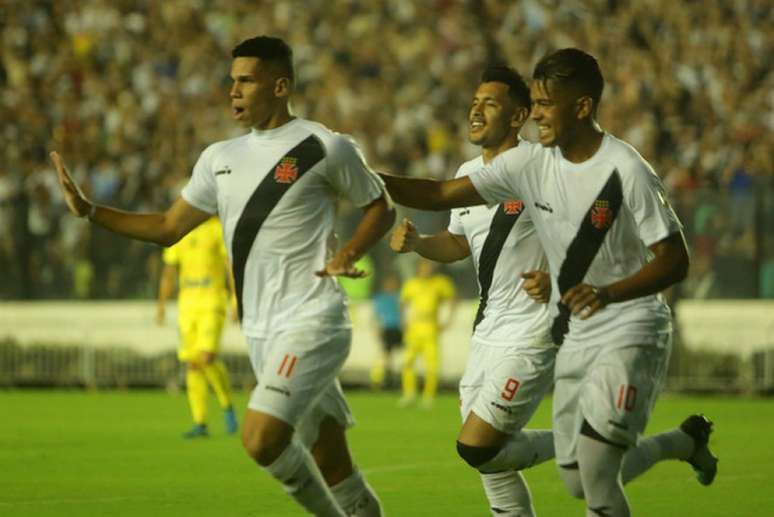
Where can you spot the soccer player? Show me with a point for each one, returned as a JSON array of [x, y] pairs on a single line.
[[274, 190], [386, 305], [421, 298], [612, 243], [511, 361], [201, 263]]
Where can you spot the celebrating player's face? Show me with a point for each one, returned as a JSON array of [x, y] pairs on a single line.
[[491, 115], [553, 113], [253, 93]]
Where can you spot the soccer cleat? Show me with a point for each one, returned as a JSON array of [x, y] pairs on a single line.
[[704, 463], [197, 431], [229, 417]]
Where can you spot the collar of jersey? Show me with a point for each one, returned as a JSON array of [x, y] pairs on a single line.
[[569, 166], [276, 132]]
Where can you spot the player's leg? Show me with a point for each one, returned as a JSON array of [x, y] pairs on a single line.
[[495, 408], [294, 370], [616, 398], [195, 380], [408, 375], [217, 376], [325, 428], [689, 442], [430, 359]]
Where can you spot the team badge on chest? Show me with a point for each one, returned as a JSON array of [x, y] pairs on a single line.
[[601, 215], [286, 171], [513, 207]]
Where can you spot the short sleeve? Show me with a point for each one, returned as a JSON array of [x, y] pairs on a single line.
[[500, 179], [455, 222], [201, 190], [350, 175], [171, 255], [647, 200]]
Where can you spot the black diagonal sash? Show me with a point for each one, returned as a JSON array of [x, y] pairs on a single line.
[[506, 216], [282, 176], [584, 247]]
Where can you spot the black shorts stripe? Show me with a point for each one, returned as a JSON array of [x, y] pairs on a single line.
[[263, 200], [499, 229], [584, 248]]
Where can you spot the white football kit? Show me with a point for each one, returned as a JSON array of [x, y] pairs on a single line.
[[510, 366], [595, 221], [275, 192]]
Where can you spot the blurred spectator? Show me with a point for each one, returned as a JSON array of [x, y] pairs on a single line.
[[130, 91]]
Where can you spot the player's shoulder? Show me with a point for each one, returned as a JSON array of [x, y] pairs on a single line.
[[226, 147], [626, 159], [469, 167], [332, 141], [520, 156]]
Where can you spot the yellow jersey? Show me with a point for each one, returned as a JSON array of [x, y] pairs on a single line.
[[423, 296], [202, 267]]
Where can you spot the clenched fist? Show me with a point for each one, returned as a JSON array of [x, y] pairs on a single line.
[[405, 237]]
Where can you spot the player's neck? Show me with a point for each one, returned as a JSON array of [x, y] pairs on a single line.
[[488, 153], [583, 144], [279, 118]]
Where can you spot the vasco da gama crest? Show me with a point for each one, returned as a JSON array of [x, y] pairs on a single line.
[[286, 171], [601, 215]]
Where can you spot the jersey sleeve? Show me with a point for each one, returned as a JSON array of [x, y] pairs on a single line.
[[201, 190], [350, 175], [455, 221], [171, 255], [500, 179], [648, 203]]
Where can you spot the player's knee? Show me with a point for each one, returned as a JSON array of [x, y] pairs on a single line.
[[476, 456], [261, 446]]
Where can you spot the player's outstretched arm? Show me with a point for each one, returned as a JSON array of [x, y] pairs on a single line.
[[668, 267], [161, 228], [430, 194], [442, 247], [377, 219]]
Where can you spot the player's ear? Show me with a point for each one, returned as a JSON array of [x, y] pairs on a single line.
[[520, 116], [584, 107], [282, 87]]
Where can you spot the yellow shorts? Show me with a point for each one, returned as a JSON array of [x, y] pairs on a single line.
[[200, 331]]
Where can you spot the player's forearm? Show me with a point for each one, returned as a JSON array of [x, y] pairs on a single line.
[[668, 267], [149, 227], [430, 194], [442, 247], [378, 218]]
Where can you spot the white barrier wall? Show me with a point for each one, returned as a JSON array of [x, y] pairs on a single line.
[[131, 324], [729, 326]]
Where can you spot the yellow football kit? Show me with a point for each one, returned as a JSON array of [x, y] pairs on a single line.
[[202, 295], [202, 264], [422, 298]]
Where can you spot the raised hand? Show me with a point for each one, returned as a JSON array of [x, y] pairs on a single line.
[[74, 197], [538, 285], [405, 237], [342, 264]]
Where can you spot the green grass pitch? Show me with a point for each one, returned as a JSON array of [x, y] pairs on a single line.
[[74, 453]]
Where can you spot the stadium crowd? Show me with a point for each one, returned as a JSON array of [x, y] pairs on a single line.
[[132, 91]]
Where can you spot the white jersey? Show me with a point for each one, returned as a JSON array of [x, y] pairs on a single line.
[[275, 192], [595, 221], [503, 244]]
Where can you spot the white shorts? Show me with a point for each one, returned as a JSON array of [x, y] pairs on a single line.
[[504, 385], [614, 389], [296, 373]]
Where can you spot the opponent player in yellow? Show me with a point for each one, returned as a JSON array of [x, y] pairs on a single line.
[[421, 299], [200, 262]]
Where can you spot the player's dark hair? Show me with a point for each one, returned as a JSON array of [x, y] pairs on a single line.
[[572, 68], [518, 90], [269, 49]]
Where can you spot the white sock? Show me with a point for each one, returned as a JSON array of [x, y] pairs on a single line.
[[356, 497], [599, 465], [301, 479], [508, 494], [672, 445], [522, 450]]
